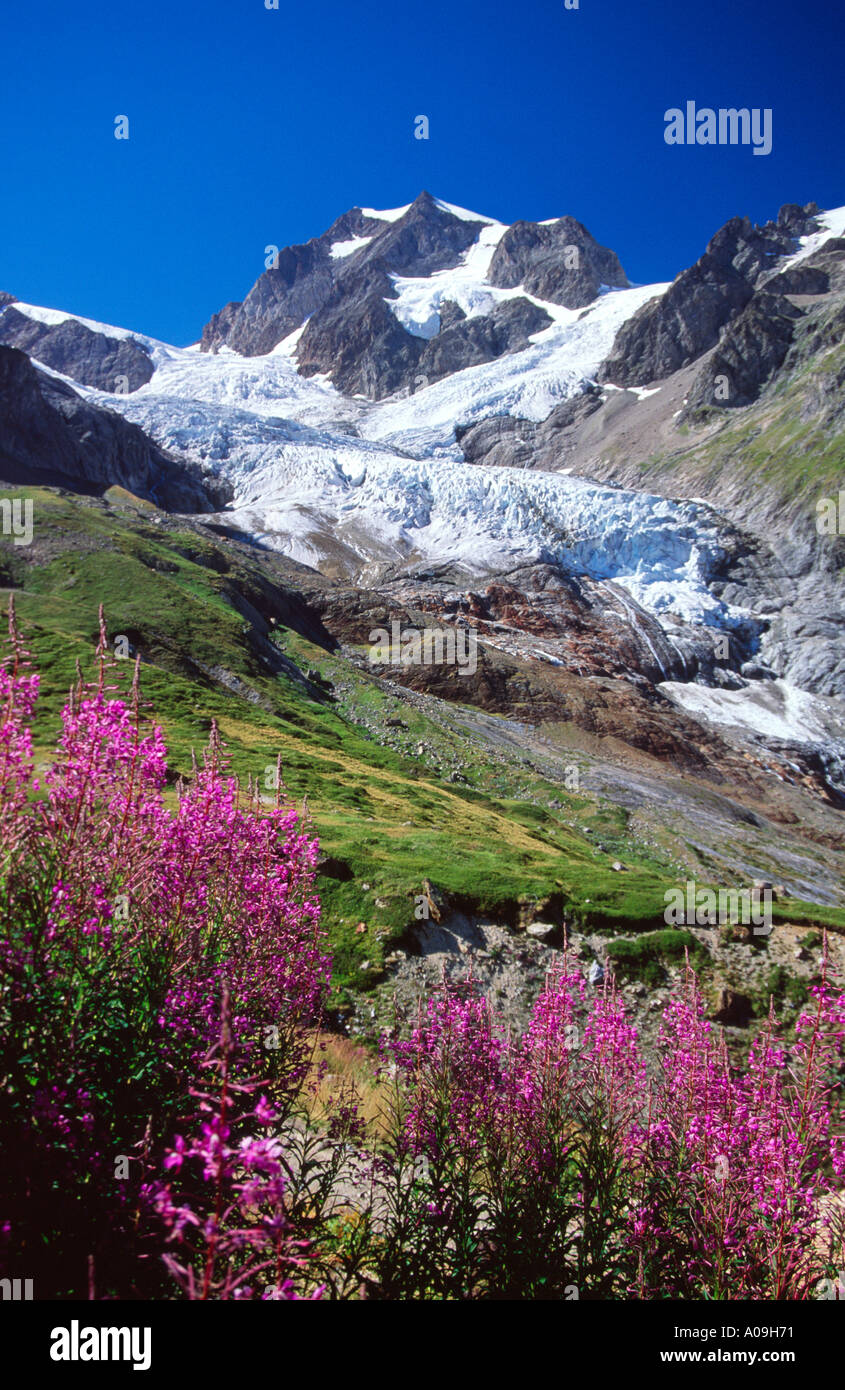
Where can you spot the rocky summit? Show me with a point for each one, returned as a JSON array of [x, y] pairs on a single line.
[[427, 423]]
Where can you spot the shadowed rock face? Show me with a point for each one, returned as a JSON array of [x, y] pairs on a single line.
[[505, 441], [507, 329], [425, 239], [94, 359], [277, 303], [359, 340], [50, 434], [670, 332], [367, 351], [560, 262], [800, 279], [751, 349]]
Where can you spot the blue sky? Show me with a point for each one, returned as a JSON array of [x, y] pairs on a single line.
[[251, 126]]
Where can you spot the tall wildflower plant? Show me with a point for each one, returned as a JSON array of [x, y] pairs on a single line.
[[740, 1193], [446, 1102], [552, 1167], [506, 1169], [123, 915], [224, 1204]]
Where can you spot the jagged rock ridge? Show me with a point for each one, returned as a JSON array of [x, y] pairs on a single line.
[[70, 347]]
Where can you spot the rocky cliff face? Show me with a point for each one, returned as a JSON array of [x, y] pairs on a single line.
[[559, 262], [50, 434], [750, 350], [361, 344], [357, 340], [673, 331]]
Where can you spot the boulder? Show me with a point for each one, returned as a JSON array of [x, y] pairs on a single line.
[[541, 930]]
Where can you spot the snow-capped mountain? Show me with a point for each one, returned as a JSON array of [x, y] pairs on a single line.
[[391, 486], [421, 387]]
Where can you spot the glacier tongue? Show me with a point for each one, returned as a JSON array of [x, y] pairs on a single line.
[[319, 494], [487, 521]]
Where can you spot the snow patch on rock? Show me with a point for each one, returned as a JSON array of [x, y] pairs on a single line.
[[770, 709], [340, 249]]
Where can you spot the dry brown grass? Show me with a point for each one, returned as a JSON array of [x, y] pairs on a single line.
[[350, 1070]]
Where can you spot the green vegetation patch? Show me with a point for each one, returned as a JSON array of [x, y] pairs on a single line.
[[644, 958]]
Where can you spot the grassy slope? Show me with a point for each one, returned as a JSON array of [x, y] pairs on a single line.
[[390, 819], [778, 448]]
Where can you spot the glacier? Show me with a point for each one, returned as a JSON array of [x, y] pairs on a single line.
[[320, 494]]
